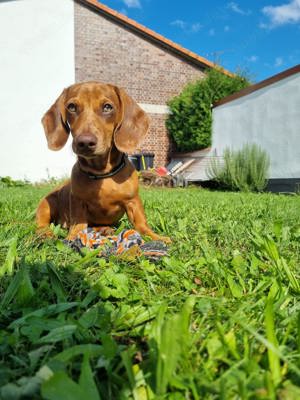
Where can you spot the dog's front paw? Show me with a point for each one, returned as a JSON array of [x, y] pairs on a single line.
[[165, 239], [74, 230], [45, 233]]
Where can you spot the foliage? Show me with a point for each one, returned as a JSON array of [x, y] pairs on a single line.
[[7, 181], [216, 319], [190, 120], [245, 169]]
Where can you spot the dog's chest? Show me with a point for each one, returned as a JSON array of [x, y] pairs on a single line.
[[104, 200]]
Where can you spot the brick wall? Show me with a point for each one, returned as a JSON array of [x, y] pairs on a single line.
[[109, 52]]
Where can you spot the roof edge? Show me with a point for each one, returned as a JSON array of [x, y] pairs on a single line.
[[153, 36], [257, 86]]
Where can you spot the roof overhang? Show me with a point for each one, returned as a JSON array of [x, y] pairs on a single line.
[[257, 86], [152, 36]]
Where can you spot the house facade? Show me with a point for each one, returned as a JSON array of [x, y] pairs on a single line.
[[267, 114], [46, 46], [112, 48]]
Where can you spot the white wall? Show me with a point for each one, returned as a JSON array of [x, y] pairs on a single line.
[[269, 117], [36, 63]]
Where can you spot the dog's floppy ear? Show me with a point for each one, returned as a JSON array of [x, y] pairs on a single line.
[[55, 125], [133, 125]]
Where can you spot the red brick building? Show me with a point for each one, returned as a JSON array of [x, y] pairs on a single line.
[[112, 48]]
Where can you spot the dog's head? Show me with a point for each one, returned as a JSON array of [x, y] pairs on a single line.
[[97, 115]]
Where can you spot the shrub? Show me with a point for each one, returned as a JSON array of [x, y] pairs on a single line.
[[7, 181], [189, 123], [245, 169]]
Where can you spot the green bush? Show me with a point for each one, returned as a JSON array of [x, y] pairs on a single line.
[[7, 181], [189, 123], [245, 169]]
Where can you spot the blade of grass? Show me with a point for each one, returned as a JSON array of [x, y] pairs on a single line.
[[56, 283], [43, 312], [25, 291], [140, 390], [274, 360], [90, 350], [171, 339], [291, 276], [86, 380], [12, 290], [58, 334], [8, 266], [266, 343], [60, 386]]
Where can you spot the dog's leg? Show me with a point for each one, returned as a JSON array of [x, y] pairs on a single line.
[[78, 217], [44, 215], [136, 215]]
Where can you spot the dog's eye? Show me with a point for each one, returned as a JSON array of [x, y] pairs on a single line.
[[72, 107], [107, 108]]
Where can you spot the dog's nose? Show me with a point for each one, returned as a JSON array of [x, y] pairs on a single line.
[[86, 142]]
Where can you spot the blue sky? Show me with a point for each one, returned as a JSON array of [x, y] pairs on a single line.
[[261, 37]]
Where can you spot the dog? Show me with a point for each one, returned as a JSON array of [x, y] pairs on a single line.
[[105, 124]]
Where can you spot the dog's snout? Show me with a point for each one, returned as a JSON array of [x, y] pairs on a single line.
[[86, 142]]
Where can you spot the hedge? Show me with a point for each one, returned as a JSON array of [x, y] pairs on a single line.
[[190, 121]]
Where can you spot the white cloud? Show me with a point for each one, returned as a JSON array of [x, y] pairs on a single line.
[[262, 25], [237, 9], [252, 58], [187, 27], [132, 3], [196, 27], [288, 13], [278, 62], [179, 23], [226, 28], [211, 32]]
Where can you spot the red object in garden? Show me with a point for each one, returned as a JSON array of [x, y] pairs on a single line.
[[161, 171]]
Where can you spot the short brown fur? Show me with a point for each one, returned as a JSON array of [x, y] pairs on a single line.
[[105, 123]]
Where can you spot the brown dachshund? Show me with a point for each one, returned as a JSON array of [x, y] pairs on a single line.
[[105, 123]]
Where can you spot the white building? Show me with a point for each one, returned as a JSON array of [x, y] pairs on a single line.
[[268, 114], [36, 63]]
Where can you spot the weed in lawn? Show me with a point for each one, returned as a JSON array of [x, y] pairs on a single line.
[[216, 319]]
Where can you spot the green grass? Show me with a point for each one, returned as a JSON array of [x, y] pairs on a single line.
[[217, 319]]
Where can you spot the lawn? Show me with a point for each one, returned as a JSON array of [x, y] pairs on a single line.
[[216, 319]]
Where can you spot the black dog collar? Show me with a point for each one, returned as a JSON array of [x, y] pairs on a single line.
[[113, 172]]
